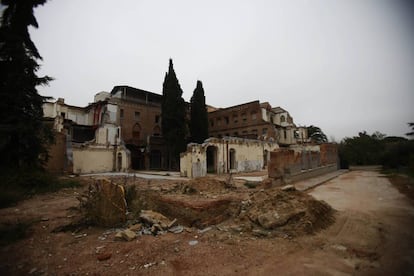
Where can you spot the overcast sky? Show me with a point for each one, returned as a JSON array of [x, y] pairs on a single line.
[[345, 66]]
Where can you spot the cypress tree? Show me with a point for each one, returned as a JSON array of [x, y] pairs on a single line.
[[199, 117], [173, 114], [23, 136]]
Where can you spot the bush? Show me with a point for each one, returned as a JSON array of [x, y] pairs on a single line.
[[17, 185]]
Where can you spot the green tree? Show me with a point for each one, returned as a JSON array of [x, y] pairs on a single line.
[[316, 134], [23, 136], [363, 149], [173, 114], [199, 116]]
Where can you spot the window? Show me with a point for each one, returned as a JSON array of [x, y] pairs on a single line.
[[236, 133], [62, 114], [284, 133], [282, 119], [235, 119], [264, 131], [254, 115], [157, 119], [218, 121], [136, 115], [227, 120], [244, 117], [211, 123]]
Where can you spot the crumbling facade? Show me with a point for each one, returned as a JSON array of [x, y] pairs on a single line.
[[90, 138], [255, 120], [225, 155]]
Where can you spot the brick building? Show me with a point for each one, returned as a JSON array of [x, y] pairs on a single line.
[[139, 116], [255, 120]]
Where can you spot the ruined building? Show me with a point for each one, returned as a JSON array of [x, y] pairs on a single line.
[[120, 130], [255, 120]]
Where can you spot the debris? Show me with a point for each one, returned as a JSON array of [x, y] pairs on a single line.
[[288, 188], [33, 270], [104, 256], [148, 265], [193, 242], [176, 229], [135, 227], [151, 217], [126, 235], [205, 230], [260, 233], [172, 223]]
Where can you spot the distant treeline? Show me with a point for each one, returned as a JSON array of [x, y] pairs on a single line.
[[377, 149]]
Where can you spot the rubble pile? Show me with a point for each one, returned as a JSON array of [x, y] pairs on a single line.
[[150, 223], [205, 202], [290, 211]]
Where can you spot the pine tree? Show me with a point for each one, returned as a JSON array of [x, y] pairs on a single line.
[[199, 117], [173, 115], [23, 136]]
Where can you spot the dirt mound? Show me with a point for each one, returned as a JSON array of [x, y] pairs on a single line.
[[293, 212], [207, 184]]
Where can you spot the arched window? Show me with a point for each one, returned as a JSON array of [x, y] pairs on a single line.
[[282, 119]]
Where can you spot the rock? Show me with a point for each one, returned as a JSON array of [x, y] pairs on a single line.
[[104, 256], [135, 227], [176, 229], [205, 230], [260, 233], [271, 220], [151, 217], [193, 242], [288, 188], [105, 203], [126, 235]]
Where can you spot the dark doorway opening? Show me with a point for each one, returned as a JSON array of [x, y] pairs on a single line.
[[211, 159]]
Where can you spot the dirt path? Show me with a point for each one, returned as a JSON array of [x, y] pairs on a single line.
[[373, 235]]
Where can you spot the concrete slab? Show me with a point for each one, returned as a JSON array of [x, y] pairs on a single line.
[[251, 178], [310, 183]]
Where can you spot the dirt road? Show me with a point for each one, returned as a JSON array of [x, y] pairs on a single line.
[[373, 234]]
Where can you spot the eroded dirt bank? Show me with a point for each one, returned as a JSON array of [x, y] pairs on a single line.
[[371, 233]]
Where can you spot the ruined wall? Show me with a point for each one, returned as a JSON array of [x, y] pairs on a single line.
[[57, 155], [95, 159], [288, 164], [329, 154], [225, 155]]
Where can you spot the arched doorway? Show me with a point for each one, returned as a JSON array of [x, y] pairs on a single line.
[[211, 159], [137, 157], [232, 159]]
